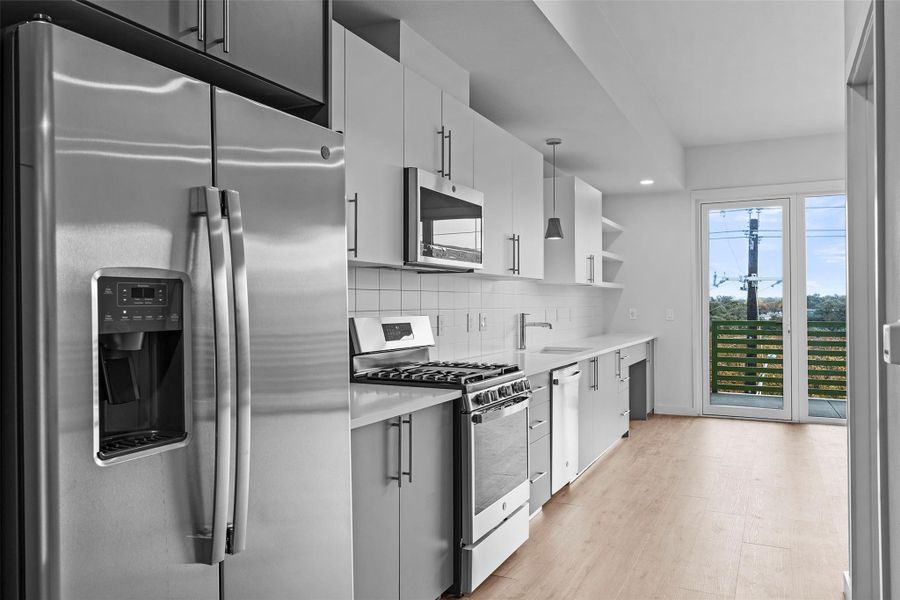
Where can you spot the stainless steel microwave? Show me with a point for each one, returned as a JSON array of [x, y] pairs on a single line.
[[444, 224]]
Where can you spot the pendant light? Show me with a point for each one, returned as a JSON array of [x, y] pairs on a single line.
[[554, 228]]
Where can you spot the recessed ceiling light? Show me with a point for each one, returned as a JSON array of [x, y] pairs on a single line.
[[646, 182]]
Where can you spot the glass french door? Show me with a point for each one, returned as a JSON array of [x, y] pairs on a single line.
[[746, 309], [774, 308]]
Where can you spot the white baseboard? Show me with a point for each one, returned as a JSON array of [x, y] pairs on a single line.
[[674, 409], [848, 591]]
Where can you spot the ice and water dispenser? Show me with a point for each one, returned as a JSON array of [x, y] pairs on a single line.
[[142, 353]]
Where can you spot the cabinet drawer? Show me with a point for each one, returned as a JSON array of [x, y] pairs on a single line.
[[540, 388], [539, 459], [538, 421], [633, 354]]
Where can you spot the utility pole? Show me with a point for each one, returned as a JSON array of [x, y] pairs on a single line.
[[753, 268]]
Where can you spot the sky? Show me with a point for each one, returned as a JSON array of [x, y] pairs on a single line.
[[825, 218]]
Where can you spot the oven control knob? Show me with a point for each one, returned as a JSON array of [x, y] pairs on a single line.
[[489, 396], [505, 391]]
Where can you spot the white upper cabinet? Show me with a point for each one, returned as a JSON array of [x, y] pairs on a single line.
[[438, 130], [577, 258], [422, 145], [459, 124], [528, 209], [493, 177], [373, 140]]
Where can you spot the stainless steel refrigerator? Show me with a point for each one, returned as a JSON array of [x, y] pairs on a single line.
[[175, 390]]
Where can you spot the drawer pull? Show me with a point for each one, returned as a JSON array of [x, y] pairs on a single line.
[[537, 424], [539, 389], [537, 477], [625, 413]]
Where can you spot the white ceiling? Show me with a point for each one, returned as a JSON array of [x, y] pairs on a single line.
[[735, 71], [629, 84]]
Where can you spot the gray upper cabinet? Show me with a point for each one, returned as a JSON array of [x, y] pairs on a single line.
[[528, 209], [403, 506], [459, 122], [493, 178], [177, 19], [336, 102], [283, 42]]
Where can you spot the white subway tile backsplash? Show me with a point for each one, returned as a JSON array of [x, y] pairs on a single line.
[[367, 278], [459, 299], [367, 300]]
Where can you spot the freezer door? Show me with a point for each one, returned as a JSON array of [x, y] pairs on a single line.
[[109, 148], [289, 177]]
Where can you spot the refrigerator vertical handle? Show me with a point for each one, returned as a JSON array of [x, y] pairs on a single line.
[[201, 20], [232, 203], [206, 202], [226, 24]]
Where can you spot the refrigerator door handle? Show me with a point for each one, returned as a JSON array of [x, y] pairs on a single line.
[[232, 203], [206, 202]]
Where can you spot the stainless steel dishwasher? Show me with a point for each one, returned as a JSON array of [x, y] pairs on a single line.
[[564, 426]]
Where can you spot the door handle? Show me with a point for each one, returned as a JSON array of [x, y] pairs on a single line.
[[573, 377], [400, 473], [596, 373], [516, 262], [537, 424], [537, 477], [355, 202], [206, 202], [409, 446], [232, 204], [625, 413]]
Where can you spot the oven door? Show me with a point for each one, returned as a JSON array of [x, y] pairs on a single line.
[[497, 466], [444, 225]]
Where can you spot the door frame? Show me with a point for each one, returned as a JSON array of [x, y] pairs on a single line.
[[792, 191]]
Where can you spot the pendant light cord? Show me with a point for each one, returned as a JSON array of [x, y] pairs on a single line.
[[554, 180]]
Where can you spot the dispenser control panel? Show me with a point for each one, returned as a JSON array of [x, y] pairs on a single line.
[[130, 304]]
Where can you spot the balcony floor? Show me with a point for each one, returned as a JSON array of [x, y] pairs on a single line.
[[830, 409]]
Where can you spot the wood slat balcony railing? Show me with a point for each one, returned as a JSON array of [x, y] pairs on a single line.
[[747, 357]]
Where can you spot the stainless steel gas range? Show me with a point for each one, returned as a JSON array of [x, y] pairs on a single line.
[[491, 435]]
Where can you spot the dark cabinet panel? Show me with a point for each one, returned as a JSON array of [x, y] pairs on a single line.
[[177, 19], [282, 41]]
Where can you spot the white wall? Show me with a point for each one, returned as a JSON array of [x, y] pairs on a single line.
[[657, 275], [791, 160], [574, 311]]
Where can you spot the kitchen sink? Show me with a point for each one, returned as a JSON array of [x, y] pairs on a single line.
[[561, 350]]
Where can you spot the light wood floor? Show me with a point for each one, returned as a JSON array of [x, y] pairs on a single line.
[[692, 508]]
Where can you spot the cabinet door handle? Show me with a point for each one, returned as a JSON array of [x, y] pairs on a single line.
[[400, 473], [597, 374], [537, 424], [449, 154], [201, 20], [226, 21], [355, 202], [625, 413], [537, 477], [515, 244], [409, 443], [518, 254], [442, 135]]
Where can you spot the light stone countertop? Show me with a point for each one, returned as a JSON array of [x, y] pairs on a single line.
[[371, 403]]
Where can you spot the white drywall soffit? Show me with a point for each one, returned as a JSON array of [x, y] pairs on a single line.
[[586, 30], [735, 71], [528, 80], [792, 160]]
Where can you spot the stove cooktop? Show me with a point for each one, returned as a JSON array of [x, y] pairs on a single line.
[[439, 374]]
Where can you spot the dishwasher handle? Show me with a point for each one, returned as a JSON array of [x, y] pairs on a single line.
[[568, 379]]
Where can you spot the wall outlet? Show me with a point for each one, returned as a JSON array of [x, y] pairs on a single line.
[[482, 321], [670, 314], [632, 313], [470, 322]]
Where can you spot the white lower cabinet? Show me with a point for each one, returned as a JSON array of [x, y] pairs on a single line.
[[602, 408], [402, 472]]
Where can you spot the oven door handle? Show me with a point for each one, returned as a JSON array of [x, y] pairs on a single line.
[[499, 413]]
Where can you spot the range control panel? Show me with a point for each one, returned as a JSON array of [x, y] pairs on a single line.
[[130, 304]]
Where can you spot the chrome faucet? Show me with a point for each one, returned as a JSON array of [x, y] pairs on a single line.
[[523, 324]]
